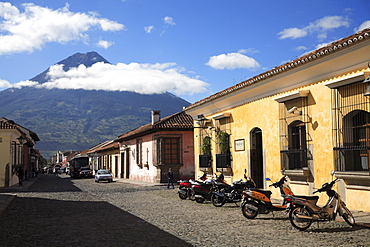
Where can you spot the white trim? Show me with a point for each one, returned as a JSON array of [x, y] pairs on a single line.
[[345, 80], [293, 95], [221, 115]]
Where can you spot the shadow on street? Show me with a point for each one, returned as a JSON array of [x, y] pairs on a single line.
[[55, 222]]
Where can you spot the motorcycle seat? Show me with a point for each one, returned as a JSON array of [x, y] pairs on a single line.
[[265, 192], [310, 198]]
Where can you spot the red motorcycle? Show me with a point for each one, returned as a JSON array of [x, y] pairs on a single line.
[[204, 191], [185, 186]]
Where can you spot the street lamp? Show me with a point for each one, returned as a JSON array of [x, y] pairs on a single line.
[[22, 140], [201, 120]]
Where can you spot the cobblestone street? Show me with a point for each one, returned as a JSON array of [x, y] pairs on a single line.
[[60, 211]]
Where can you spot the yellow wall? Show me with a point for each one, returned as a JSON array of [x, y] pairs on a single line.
[[264, 114], [7, 136]]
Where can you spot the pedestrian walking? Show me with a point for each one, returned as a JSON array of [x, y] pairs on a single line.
[[170, 178], [20, 174]]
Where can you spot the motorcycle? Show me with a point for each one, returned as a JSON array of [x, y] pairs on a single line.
[[185, 186], [303, 209], [203, 191], [258, 201], [225, 193]]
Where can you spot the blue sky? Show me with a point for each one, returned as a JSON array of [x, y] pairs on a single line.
[[190, 48]]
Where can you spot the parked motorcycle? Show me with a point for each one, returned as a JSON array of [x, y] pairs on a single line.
[[225, 193], [185, 186], [258, 201], [203, 191], [303, 209]]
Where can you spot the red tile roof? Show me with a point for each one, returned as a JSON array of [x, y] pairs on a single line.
[[308, 57], [105, 146], [178, 121], [10, 124]]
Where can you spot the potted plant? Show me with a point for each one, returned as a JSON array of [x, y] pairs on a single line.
[[205, 159], [223, 158]]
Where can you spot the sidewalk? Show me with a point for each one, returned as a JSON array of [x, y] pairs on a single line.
[[7, 194], [141, 183]]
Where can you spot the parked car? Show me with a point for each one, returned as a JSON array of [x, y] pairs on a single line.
[[86, 172], [103, 175]]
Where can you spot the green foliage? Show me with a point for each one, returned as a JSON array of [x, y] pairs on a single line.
[[206, 145], [223, 141], [78, 119]]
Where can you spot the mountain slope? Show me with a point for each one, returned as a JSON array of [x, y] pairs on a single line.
[[78, 119]]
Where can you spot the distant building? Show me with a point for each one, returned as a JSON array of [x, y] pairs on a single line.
[[147, 152], [105, 156]]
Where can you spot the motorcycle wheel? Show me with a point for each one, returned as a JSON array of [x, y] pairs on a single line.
[[218, 201], [300, 224], [191, 195], [199, 199], [183, 196], [248, 212], [347, 216]]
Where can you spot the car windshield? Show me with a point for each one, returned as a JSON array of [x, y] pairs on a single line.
[[85, 168], [104, 172]]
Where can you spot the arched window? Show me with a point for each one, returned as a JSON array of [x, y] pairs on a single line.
[[296, 154], [353, 153], [293, 134], [351, 129]]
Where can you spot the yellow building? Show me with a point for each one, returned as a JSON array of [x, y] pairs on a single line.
[[16, 151], [303, 119]]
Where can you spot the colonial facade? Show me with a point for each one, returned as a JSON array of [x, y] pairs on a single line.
[[16, 150], [304, 119], [105, 156], [147, 152]]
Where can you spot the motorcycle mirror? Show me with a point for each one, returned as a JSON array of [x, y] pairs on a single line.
[[245, 170], [332, 174]]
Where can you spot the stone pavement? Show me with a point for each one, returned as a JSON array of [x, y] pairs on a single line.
[[7, 194]]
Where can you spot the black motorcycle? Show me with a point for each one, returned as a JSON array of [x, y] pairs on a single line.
[[225, 193], [185, 186]]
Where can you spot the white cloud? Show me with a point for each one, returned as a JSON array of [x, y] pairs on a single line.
[[140, 78], [169, 21], [148, 29], [301, 48], [24, 84], [232, 61], [30, 30], [320, 26], [293, 33], [365, 24], [104, 44], [4, 84]]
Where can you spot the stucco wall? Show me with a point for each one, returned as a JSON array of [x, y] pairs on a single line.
[[148, 172], [7, 136], [264, 114]]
